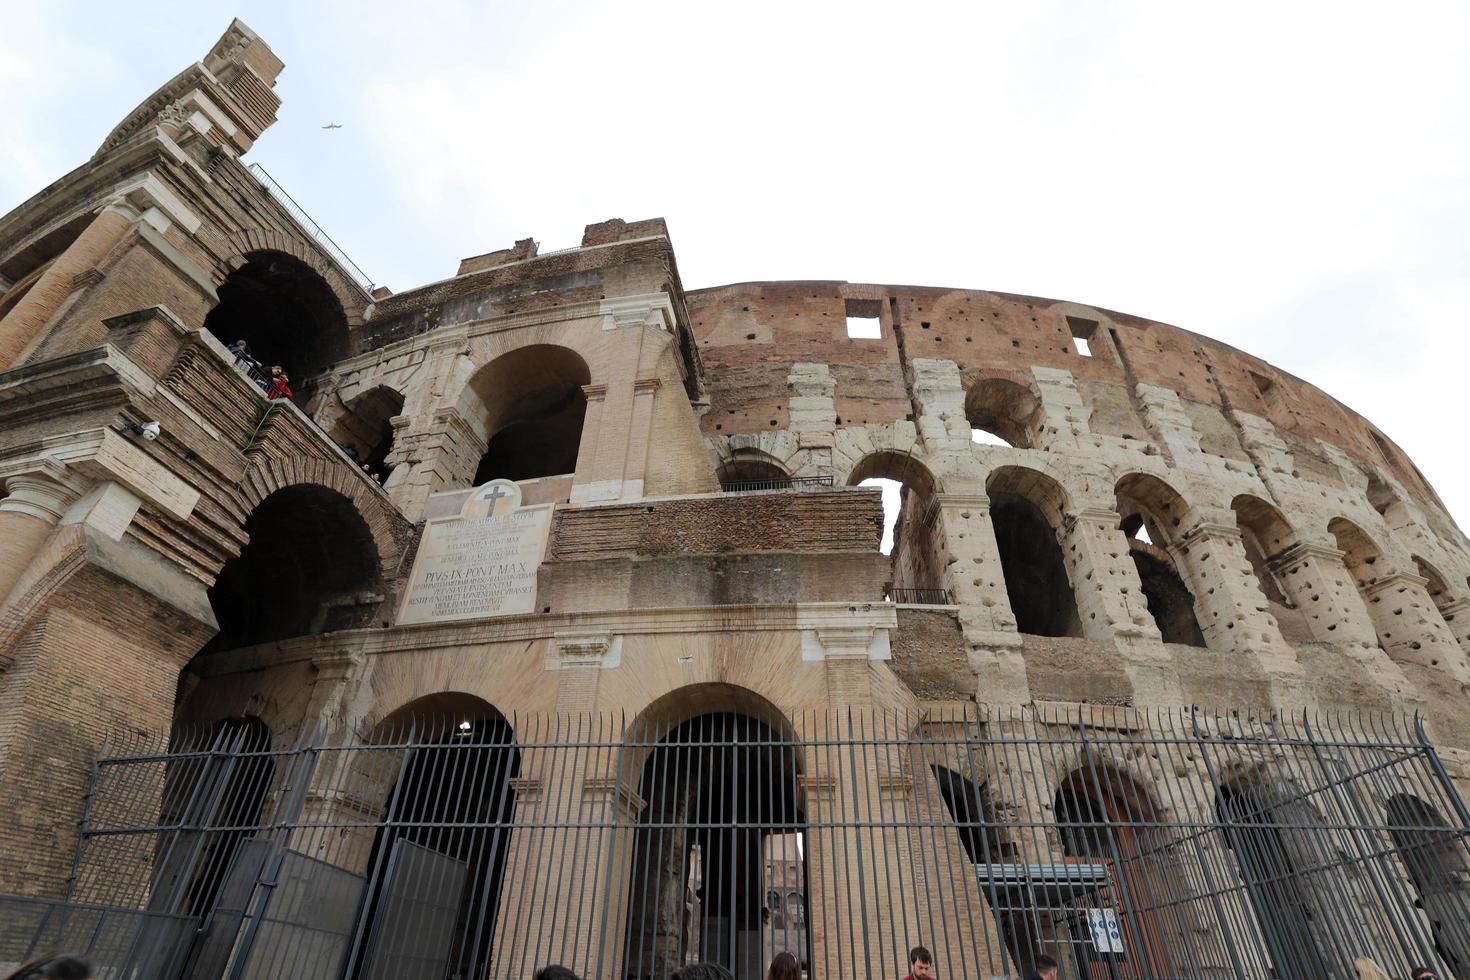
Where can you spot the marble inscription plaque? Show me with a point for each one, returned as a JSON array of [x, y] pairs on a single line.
[[480, 563]]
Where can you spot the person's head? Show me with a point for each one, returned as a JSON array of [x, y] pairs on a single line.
[[242, 345], [555, 973], [784, 967], [1423, 973], [53, 968], [277, 371], [703, 971], [1046, 967], [921, 962]]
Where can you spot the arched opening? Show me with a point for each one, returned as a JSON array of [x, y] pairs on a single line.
[[528, 406], [722, 830], [438, 856], [1435, 858], [752, 470], [910, 512], [1359, 554], [1002, 412], [310, 566], [1265, 536], [1276, 837], [1439, 591], [1152, 513], [1381, 495], [1026, 509], [216, 789], [287, 314], [365, 429], [1105, 819]]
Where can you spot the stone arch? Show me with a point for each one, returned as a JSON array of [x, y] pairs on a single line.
[[445, 814], [1004, 408], [718, 768], [310, 564], [1437, 863], [286, 311], [241, 244], [364, 427], [752, 466], [389, 529], [1104, 813], [1027, 512], [1276, 837], [917, 553], [1153, 516], [525, 408], [1266, 537], [1361, 554], [1382, 495]]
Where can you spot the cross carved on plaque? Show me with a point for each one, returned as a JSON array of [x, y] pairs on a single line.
[[494, 494]]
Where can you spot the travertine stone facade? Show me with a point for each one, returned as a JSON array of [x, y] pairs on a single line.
[[1228, 534]]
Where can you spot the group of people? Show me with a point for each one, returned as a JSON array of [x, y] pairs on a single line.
[[273, 382]]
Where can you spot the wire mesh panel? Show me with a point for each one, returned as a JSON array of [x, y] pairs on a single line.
[[450, 842]]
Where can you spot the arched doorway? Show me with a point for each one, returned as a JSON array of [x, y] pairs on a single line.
[[1437, 863], [1026, 509], [310, 565], [287, 314], [528, 405], [1152, 513], [434, 872], [722, 829], [1439, 592], [1276, 837], [1106, 820]]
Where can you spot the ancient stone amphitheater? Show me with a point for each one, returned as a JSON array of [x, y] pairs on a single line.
[[549, 618]]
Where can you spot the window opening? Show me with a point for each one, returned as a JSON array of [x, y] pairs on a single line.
[[1083, 334], [862, 319]]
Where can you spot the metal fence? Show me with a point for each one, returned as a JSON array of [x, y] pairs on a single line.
[[309, 225], [1123, 844]]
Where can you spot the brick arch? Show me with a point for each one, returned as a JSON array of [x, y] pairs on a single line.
[[389, 529], [240, 245]]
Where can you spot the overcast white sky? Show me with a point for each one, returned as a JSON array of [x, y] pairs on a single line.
[[1291, 178]]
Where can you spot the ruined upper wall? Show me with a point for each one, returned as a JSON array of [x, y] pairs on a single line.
[[751, 334]]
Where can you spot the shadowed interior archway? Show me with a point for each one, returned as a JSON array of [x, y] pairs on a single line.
[[1005, 409], [1152, 515], [1026, 511], [287, 314], [722, 828], [310, 565], [528, 406]]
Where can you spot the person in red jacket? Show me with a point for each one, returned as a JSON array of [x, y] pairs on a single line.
[[280, 384]]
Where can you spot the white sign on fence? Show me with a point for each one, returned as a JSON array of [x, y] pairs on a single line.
[[1106, 936]]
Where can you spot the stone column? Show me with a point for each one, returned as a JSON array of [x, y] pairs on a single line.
[[1411, 628], [1320, 585], [977, 583], [25, 320], [1232, 611], [1110, 599], [1456, 615], [442, 454], [640, 435], [35, 501], [588, 448], [812, 414]]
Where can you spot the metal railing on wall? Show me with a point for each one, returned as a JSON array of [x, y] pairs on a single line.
[[782, 483], [310, 226], [918, 597], [1123, 843]]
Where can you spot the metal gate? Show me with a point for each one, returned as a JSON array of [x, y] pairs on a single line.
[[1122, 843]]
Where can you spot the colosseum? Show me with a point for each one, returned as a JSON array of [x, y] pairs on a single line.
[[549, 613]]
